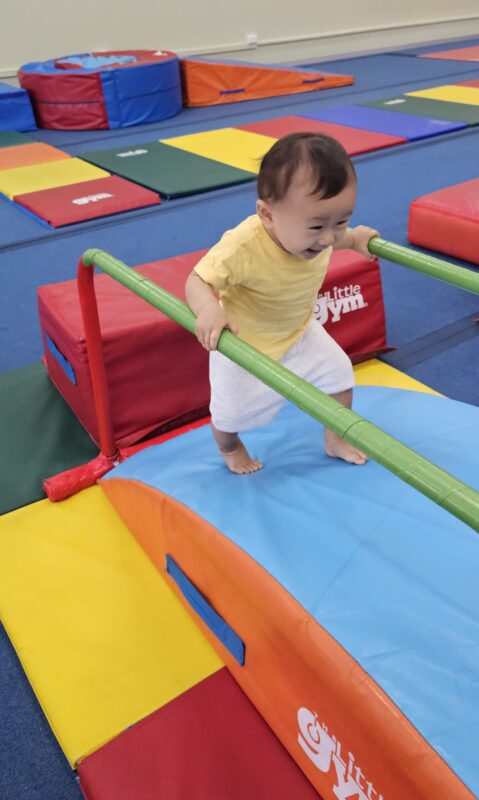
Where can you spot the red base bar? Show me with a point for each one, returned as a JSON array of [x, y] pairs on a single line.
[[65, 484]]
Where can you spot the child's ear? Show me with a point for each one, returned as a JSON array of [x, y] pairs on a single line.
[[263, 211]]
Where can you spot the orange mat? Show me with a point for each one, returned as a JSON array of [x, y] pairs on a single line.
[[25, 155]]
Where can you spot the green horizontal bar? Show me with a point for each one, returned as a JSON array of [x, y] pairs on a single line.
[[447, 491], [428, 265]]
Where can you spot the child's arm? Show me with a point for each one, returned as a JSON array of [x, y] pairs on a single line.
[[210, 316], [357, 239]]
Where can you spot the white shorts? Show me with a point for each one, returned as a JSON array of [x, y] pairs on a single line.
[[239, 401]]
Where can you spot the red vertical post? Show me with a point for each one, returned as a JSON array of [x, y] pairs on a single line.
[[91, 325]]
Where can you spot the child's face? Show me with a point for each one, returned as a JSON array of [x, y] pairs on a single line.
[[303, 224]]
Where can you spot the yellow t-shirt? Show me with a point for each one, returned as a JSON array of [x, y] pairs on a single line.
[[269, 293]]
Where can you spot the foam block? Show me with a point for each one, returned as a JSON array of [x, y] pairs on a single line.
[[209, 82], [157, 372], [373, 119], [16, 113], [168, 170], [354, 140], [448, 221], [47, 176], [344, 613], [66, 205], [238, 148]]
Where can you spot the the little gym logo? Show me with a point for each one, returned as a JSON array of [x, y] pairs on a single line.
[[338, 301], [326, 752], [130, 153], [91, 198]]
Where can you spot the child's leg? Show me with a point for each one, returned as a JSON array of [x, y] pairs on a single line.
[[235, 454], [239, 402], [337, 447], [321, 361]]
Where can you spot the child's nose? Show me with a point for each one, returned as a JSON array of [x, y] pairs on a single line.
[[326, 237]]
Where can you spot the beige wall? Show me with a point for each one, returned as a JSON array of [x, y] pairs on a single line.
[[35, 30]]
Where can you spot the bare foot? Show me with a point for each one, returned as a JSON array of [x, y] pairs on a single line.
[[239, 460], [338, 448]]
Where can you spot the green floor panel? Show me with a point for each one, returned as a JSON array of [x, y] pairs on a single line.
[[434, 109], [39, 436], [12, 138], [168, 170]]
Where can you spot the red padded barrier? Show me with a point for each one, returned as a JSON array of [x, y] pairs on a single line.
[[448, 221], [157, 372]]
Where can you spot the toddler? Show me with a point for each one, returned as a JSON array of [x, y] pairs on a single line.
[[261, 281]]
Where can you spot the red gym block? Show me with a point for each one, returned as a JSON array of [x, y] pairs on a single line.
[[88, 200], [208, 744], [157, 372], [354, 140], [448, 221]]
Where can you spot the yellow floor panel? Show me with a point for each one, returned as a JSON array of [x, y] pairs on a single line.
[[240, 149], [468, 95], [375, 373], [103, 640], [24, 180]]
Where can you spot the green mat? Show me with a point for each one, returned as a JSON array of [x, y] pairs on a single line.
[[168, 170], [39, 436], [423, 107], [12, 138]]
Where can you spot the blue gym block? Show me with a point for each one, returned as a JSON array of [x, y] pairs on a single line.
[[409, 126], [15, 109]]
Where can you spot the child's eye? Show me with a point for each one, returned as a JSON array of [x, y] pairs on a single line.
[[316, 228], [342, 222]]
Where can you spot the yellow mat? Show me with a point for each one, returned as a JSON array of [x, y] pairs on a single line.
[[240, 149], [375, 373], [24, 180], [103, 640], [468, 95]]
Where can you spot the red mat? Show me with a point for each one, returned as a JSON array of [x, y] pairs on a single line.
[[88, 200], [354, 140], [448, 221], [208, 744], [468, 83]]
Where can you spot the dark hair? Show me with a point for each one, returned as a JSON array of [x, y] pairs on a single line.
[[331, 167]]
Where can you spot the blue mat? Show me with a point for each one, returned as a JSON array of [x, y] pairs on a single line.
[[415, 630], [391, 69], [408, 126]]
